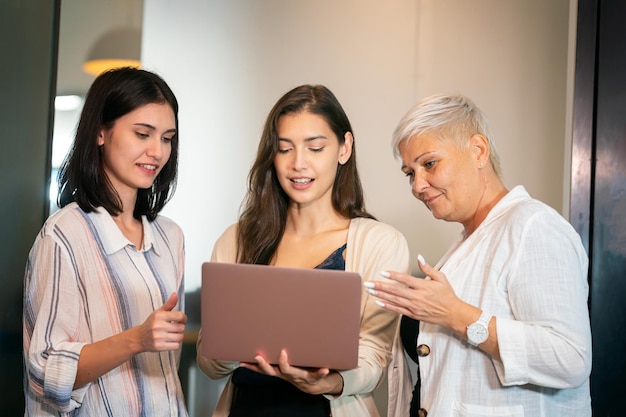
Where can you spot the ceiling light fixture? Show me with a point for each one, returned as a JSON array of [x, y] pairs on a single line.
[[119, 47], [67, 103]]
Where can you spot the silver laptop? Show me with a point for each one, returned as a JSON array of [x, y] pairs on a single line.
[[314, 314]]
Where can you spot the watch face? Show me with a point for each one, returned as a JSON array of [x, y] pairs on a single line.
[[477, 333]]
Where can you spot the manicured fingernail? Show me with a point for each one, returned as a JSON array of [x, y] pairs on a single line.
[[371, 291], [368, 284], [385, 274], [420, 259], [380, 303]]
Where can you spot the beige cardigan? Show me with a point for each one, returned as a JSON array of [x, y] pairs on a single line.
[[372, 247]]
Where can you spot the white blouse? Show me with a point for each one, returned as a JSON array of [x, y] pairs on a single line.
[[526, 265]]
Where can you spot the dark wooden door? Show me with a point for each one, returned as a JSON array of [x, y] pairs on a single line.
[[28, 47], [599, 190]]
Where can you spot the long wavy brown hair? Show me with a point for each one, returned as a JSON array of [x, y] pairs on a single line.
[[264, 208]]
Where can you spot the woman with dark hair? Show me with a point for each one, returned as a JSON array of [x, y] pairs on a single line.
[[305, 208], [102, 331]]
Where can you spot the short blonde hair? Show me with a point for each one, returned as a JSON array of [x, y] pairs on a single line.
[[446, 117]]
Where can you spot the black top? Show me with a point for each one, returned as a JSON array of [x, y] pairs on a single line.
[[259, 395], [409, 329]]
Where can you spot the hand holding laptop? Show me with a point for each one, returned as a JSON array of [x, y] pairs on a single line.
[[309, 380]]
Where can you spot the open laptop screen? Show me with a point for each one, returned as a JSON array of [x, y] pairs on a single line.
[[314, 314]]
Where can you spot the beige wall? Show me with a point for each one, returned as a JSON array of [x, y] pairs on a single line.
[[228, 61]]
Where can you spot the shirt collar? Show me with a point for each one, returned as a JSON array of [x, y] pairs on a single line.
[[516, 194], [112, 237]]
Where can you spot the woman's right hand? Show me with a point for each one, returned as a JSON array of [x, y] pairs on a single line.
[[163, 329]]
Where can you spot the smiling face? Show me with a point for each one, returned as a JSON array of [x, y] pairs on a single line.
[[137, 146], [308, 157], [445, 177]]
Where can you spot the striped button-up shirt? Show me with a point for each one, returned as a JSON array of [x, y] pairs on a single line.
[[85, 281]]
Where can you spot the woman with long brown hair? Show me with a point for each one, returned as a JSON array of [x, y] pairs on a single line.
[[305, 208]]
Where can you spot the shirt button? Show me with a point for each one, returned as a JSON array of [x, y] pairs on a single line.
[[422, 413], [422, 350]]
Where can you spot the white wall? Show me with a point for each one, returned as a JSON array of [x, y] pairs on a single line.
[[228, 61], [234, 59]]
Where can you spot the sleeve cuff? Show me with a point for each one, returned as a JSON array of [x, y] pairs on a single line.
[[512, 369]]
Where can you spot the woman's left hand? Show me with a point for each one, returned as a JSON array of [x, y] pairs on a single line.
[[309, 380], [431, 300]]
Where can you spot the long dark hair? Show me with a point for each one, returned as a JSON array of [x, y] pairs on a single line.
[[82, 178], [264, 209]]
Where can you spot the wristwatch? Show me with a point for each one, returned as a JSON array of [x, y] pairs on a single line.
[[478, 331]]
